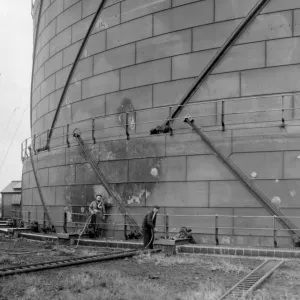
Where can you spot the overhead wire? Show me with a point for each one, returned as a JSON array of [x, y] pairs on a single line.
[[17, 129]]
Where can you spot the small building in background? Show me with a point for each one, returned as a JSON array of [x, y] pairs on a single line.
[[11, 199]]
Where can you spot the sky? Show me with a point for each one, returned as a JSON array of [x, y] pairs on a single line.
[[16, 44]]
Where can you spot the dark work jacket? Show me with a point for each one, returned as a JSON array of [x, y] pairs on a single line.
[[148, 223]]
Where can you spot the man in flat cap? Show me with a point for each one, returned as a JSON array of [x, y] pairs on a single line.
[[97, 210], [148, 227]]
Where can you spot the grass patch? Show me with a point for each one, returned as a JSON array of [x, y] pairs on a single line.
[[104, 285], [7, 260], [290, 270], [109, 285], [60, 250], [23, 287], [226, 265], [265, 295]]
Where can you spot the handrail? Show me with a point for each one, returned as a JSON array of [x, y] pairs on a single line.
[[216, 60], [212, 128], [70, 76], [249, 98], [170, 228]]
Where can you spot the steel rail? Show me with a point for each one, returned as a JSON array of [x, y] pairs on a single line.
[[250, 185], [67, 262], [33, 57], [70, 76], [252, 280], [217, 59]]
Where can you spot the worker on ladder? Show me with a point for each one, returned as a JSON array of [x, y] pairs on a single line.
[[97, 210], [148, 226]]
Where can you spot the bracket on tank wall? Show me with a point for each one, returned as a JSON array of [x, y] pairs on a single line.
[[67, 136], [127, 126], [93, 130], [167, 128]]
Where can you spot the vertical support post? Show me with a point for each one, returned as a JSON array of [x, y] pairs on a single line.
[[282, 112], [222, 115], [26, 153], [47, 140], [274, 232], [34, 138], [167, 226], [127, 125], [217, 229], [44, 219], [29, 217], [170, 120], [93, 130], [65, 222], [125, 226], [67, 136]]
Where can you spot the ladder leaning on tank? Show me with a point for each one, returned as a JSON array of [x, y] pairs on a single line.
[[135, 229], [166, 127]]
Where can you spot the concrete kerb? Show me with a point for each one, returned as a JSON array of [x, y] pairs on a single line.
[[182, 247], [281, 253]]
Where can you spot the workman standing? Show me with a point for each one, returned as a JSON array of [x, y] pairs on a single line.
[[148, 226], [97, 209]]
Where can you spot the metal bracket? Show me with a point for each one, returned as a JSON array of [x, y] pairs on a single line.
[[127, 126], [93, 130], [67, 136], [76, 133], [222, 116]]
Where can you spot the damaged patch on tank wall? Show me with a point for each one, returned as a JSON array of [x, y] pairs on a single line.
[[132, 193], [225, 240], [126, 107]]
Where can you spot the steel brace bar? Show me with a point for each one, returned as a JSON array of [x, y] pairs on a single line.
[[78, 56], [39, 188], [213, 64], [102, 178], [261, 197]]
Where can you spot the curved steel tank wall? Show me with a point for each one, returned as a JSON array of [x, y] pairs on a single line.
[[144, 54]]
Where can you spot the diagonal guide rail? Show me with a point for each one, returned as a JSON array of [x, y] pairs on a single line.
[[252, 280], [246, 181], [118, 201], [214, 62]]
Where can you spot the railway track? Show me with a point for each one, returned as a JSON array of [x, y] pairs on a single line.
[[67, 262], [252, 280]]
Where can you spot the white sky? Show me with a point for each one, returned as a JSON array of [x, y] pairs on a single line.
[[15, 67]]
